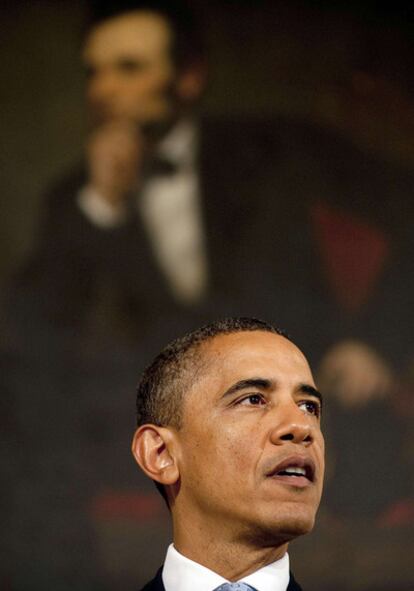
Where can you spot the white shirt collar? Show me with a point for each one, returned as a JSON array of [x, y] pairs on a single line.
[[182, 574], [180, 144]]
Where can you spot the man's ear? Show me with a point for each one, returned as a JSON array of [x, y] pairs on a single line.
[[153, 450], [191, 82]]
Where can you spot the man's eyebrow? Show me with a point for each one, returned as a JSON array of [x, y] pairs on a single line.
[[308, 389], [262, 383], [266, 384]]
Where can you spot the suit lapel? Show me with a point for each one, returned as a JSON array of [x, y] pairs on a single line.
[[156, 584], [293, 585]]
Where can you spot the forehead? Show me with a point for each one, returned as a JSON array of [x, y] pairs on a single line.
[[242, 355], [134, 33]]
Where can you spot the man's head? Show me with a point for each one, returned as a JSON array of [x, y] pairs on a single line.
[[144, 63], [229, 424]]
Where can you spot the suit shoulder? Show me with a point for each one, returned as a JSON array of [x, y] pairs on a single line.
[[293, 585], [155, 584]]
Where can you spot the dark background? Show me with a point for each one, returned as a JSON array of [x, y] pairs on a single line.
[[346, 66]]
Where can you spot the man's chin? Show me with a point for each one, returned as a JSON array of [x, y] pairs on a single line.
[[295, 526], [280, 529], [285, 527]]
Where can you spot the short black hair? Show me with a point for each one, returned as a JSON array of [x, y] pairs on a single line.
[[188, 45], [164, 382]]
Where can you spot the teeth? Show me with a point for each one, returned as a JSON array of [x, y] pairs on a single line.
[[295, 470]]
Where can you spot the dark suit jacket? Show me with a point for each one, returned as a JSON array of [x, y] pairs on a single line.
[[157, 585]]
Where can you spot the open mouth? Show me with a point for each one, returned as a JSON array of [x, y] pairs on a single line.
[[294, 470]]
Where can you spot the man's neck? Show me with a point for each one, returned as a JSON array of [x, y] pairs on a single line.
[[231, 559]]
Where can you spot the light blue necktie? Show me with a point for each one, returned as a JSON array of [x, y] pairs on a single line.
[[234, 587]]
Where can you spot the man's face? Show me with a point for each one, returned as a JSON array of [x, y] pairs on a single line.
[[130, 70], [251, 451]]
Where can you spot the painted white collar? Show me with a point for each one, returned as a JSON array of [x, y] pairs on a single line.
[[180, 144]]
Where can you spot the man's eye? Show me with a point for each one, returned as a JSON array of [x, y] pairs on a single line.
[[252, 400], [130, 66], [311, 407]]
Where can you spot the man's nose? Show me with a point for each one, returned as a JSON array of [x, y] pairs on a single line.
[[291, 424]]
